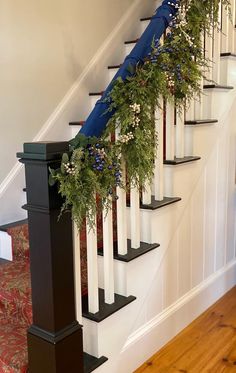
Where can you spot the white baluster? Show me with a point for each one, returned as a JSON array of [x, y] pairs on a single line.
[[225, 30], [92, 266], [121, 211], [209, 55], [179, 134], [108, 256], [190, 111], [135, 217], [170, 131], [77, 273], [216, 50], [147, 194], [159, 167], [232, 28], [198, 103]]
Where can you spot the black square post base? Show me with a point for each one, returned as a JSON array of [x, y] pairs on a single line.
[[60, 356]]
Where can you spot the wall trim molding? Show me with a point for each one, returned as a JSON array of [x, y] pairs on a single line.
[[186, 300]]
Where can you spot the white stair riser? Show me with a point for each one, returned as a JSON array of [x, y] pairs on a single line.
[[144, 25], [228, 70], [75, 130], [108, 337], [93, 100], [129, 48], [179, 179], [216, 102], [112, 73]]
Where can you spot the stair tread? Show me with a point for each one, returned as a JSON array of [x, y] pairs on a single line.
[[132, 253], [96, 93], [227, 54], [158, 204], [5, 227], [91, 362], [133, 41], [79, 123], [146, 18], [201, 121], [217, 86], [177, 161], [105, 310], [114, 66]]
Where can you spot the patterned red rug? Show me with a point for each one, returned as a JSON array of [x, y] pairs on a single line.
[[15, 296], [15, 304]]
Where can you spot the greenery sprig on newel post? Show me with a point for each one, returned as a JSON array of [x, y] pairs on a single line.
[[172, 71]]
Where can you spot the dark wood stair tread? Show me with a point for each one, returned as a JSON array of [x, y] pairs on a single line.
[[5, 227], [200, 121], [228, 54], [114, 66], [132, 253], [105, 310], [217, 86], [79, 123], [178, 161], [146, 18], [96, 93], [134, 41], [91, 363], [154, 205]]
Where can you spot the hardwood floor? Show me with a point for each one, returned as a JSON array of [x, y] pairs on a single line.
[[208, 345]]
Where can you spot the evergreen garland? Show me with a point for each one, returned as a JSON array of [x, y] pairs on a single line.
[[173, 72]]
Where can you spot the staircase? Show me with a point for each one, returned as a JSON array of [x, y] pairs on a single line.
[[172, 244]]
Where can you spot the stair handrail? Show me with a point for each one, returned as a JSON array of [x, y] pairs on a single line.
[[100, 115]]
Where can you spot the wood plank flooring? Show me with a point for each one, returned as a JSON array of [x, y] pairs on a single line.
[[208, 345]]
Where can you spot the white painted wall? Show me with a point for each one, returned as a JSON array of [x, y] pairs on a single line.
[[54, 55], [45, 46]]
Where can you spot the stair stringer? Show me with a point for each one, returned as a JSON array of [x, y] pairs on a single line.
[[172, 227]]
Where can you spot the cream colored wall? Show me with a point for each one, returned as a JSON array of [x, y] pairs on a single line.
[[45, 45]]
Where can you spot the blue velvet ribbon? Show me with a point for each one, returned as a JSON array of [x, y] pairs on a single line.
[[99, 117]]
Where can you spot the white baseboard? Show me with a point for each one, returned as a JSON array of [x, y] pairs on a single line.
[[148, 339], [5, 246]]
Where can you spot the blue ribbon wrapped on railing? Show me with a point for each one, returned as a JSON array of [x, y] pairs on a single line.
[[99, 117]]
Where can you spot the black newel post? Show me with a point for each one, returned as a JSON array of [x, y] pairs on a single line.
[[55, 338]]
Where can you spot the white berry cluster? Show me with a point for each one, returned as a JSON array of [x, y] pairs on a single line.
[[70, 168], [170, 80], [101, 152], [136, 108], [124, 139], [174, 5]]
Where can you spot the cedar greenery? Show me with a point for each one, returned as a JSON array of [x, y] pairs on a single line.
[[172, 72]]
